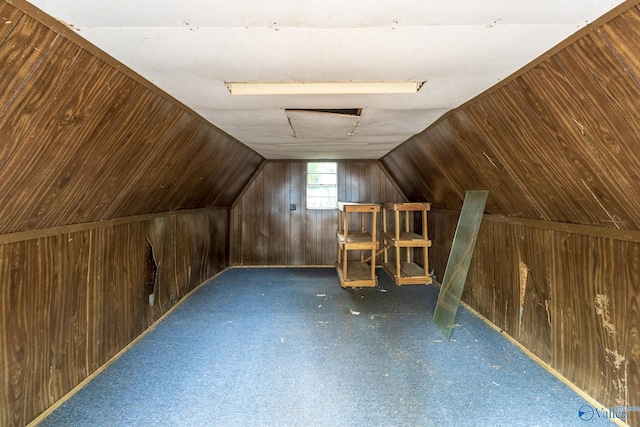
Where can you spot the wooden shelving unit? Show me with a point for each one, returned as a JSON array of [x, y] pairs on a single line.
[[404, 271], [357, 273]]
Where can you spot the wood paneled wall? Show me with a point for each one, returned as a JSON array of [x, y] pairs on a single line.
[[86, 144], [70, 302], [83, 141], [571, 298], [560, 144], [266, 232]]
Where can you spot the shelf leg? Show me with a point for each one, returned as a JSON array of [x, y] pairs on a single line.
[[426, 248], [384, 230], [406, 228], [344, 267]]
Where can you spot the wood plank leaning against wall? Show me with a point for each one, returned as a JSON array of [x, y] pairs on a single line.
[[266, 232], [569, 296], [103, 176], [556, 264]]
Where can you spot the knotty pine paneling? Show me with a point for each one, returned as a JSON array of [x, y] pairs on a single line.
[[266, 232], [570, 298], [70, 302], [84, 141]]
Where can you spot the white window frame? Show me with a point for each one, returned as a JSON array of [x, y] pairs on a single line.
[[323, 181]]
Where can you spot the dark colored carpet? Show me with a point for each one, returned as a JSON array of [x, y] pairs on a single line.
[[281, 347]]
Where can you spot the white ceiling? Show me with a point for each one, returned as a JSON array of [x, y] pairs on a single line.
[[189, 48]]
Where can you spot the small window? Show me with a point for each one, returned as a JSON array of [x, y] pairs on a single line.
[[322, 185]]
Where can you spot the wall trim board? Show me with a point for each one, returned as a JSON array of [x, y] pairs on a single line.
[[63, 29], [72, 228], [101, 369], [586, 230]]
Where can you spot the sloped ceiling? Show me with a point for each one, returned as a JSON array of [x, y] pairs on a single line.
[[559, 143], [189, 48], [81, 141]]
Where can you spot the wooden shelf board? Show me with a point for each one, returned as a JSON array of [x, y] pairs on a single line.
[[358, 207], [356, 237], [362, 245], [358, 275], [408, 206], [407, 239], [410, 274]]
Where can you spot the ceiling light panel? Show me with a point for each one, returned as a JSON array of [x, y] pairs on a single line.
[[323, 88]]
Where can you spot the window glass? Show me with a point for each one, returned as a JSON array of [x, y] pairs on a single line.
[[322, 185]]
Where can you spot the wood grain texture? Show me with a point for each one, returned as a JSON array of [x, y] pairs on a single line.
[[622, 37], [569, 298], [219, 229], [11, 16], [57, 341], [631, 334], [605, 181], [558, 149], [442, 228], [574, 346], [20, 55], [558, 143], [608, 277], [83, 141], [69, 302], [33, 98], [588, 310], [14, 333], [535, 330], [160, 235], [266, 232]]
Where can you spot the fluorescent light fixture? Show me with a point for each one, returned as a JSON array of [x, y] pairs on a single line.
[[322, 144], [322, 88]]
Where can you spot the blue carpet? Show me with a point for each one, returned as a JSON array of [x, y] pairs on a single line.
[[285, 347]]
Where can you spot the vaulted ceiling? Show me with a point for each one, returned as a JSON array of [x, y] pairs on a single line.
[[459, 48]]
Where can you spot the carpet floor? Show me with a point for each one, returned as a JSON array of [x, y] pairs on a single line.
[[289, 347]]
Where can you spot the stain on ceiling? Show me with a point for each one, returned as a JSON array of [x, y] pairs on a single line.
[[192, 48]]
